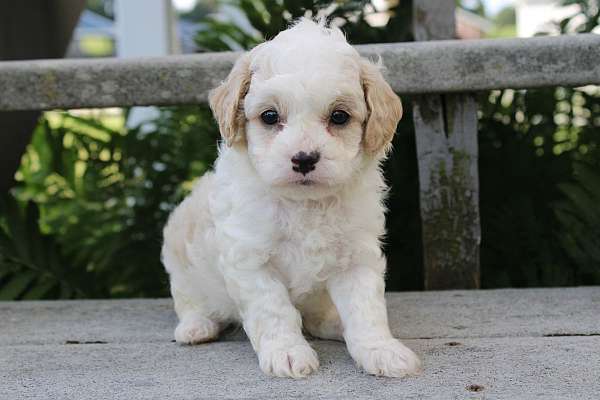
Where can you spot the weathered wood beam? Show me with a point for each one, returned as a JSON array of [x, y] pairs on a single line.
[[412, 68], [446, 138]]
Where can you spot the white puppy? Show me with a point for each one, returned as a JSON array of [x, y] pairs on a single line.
[[284, 234]]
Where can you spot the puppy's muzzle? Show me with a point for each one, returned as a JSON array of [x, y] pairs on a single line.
[[304, 163]]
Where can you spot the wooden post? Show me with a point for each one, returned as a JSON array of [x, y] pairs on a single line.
[[29, 30], [446, 137]]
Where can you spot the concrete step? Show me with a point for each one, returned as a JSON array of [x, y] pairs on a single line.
[[513, 344]]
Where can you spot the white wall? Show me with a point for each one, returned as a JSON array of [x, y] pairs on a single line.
[[145, 28]]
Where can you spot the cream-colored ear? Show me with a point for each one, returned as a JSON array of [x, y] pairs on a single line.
[[384, 107], [226, 101]]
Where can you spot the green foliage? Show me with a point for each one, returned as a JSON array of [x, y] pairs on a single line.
[[528, 143], [532, 145], [578, 215], [505, 23], [585, 19], [506, 17], [223, 36], [269, 17], [200, 10], [31, 263], [103, 196]]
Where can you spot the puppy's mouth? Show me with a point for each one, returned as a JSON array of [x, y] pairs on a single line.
[[304, 182]]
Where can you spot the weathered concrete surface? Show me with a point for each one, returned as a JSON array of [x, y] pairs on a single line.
[[509, 344], [431, 67], [509, 368]]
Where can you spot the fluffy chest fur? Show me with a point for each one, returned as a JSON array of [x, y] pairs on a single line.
[[311, 244]]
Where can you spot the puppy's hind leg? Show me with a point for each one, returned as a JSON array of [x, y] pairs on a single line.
[[194, 326], [320, 317], [198, 289], [199, 322]]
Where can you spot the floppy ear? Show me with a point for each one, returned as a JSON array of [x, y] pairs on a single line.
[[384, 109], [226, 101]]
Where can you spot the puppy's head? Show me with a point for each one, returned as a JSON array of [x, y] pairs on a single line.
[[308, 109]]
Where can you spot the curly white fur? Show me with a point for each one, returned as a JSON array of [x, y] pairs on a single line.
[[279, 250]]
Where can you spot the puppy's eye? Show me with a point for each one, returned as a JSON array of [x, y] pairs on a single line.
[[339, 117], [270, 117]]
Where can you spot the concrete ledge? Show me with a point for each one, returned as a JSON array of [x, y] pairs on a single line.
[[535, 343], [424, 67]]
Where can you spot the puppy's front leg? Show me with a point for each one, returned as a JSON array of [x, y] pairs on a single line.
[[358, 294], [272, 323]]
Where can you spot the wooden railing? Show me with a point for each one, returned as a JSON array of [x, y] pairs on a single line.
[[444, 66]]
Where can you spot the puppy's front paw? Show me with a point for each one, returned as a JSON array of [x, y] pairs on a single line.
[[296, 361], [194, 330], [386, 358]]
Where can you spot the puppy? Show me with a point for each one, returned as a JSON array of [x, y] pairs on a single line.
[[284, 234]]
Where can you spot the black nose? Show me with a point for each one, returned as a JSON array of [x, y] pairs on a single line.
[[304, 163]]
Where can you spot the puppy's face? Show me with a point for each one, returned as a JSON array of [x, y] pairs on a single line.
[[305, 130], [309, 110]]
